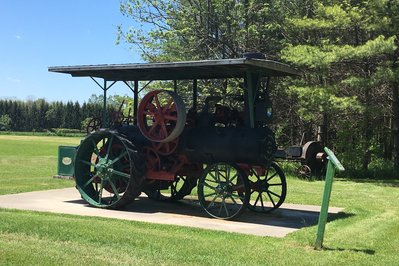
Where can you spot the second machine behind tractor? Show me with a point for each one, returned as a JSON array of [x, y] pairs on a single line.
[[226, 151]]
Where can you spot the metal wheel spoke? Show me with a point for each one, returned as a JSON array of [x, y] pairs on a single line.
[[257, 199], [214, 193], [96, 151], [153, 126], [213, 181], [89, 181], [214, 177], [158, 104], [225, 207], [271, 176], [100, 193], [220, 209], [228, 170], [205, 184], [164, 130], [114, 189], [271, 192], [231, 197], [271, 199], [121, 173], [88, 163], [167, 106], [217, 174], [279, 184], [119, 157], [109, 147], [222, 175], [237, 196], [114, 198], [261, 201], [212, 202], [233, 178]]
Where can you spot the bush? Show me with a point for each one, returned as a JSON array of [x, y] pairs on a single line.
[[378, 169], [67, 132], [5, 122]]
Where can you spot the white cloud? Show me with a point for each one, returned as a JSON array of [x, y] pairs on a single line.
[[18, 37], [14, 80]]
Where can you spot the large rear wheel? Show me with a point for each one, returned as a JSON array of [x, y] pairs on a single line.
[[109, 172]]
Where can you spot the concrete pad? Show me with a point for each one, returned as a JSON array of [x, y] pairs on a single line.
[[288, 218]]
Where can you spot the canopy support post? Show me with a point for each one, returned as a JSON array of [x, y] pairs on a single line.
[[135, 100], [104, 88], [252, 86], [195, 94], [175, 86]]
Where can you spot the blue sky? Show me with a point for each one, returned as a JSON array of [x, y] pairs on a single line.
[[37, 34]]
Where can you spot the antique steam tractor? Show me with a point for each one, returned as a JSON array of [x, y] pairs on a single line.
[[225, 150]]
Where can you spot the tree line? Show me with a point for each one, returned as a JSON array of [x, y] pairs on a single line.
[[40, 115], [348, 52]]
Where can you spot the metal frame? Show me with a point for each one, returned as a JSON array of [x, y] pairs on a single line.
[[250, 69]]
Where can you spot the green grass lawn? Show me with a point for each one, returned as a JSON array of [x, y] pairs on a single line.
[[27, 163], [367, 233]]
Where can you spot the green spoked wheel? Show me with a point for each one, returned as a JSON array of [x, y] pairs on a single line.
[[268, 188], [223, 191], [109, 172]]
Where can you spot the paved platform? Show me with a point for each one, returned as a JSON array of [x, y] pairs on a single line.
[[288, 218]]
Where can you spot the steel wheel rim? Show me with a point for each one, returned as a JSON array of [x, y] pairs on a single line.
[[268, 191], [102, 176], [223, 191]]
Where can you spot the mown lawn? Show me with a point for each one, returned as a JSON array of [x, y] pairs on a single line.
[[27, 163], [367, 233]]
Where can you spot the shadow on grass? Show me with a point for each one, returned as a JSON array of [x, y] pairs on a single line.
[[365, 251]]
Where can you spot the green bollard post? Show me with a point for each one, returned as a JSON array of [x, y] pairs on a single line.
[[333, 163]]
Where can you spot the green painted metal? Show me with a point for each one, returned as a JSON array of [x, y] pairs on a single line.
[[104, 118], [223, 191], [102, 182], [333, 163], [66, 160]]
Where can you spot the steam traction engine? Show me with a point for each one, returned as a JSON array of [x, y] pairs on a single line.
[[171, 148]]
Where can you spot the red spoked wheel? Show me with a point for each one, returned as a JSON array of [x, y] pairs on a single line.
[[161, 116], [165, 148]]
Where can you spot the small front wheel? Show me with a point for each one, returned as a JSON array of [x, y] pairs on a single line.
[[268, 188], [223, 191]]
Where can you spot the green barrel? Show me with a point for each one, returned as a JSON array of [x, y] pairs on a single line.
[[66, 160]]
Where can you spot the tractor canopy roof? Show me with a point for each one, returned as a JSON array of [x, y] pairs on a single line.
[[205, 69]]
